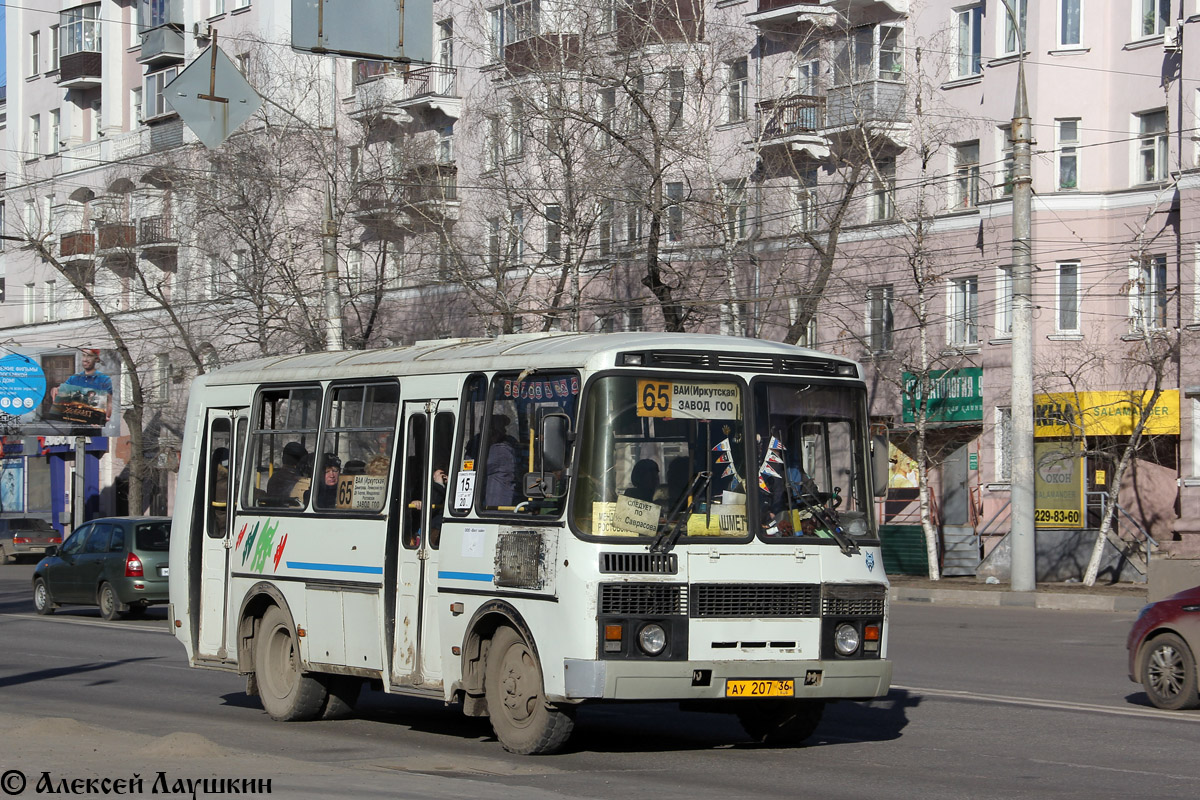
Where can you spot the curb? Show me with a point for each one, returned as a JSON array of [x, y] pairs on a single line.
[[998, 599]]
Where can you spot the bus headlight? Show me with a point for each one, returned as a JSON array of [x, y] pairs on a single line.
[[846, 639], [652, 639]]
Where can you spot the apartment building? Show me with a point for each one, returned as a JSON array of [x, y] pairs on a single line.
[[835, 173]]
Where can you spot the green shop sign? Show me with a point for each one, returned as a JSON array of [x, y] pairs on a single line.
[[956, 395]]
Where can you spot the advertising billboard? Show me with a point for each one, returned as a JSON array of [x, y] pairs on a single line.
[[60, 391]]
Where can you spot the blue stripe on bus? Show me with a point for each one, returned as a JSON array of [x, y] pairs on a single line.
[[334, 567], [466, 576]]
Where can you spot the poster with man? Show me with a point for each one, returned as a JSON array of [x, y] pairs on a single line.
[[81, 400]]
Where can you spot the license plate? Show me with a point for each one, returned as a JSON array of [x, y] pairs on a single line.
[[763, 688], [164, 571]]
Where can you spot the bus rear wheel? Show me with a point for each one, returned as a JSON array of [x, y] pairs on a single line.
[[523, 721], [288, 694], [781, 722]]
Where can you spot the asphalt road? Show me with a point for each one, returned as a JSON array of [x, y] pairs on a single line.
[[987, 703]]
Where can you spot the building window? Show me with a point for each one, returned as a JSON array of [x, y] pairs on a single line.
[[522, 20], [737, 90], [604, 225], [1004, 301], [493, 242], [633, 223], [808, 337], [884, 193], [879, 319], [97, 119], [240, 4], [35, 136], [35, 54], [1068, 297], [1155, 16], [135, 105], [1003, 444], [675, 105], [736, 210], [516, 128], [54, 48], [869, 53], [964, 311], [50, 298], [495, 33], [1070, 23], [1148, 292], [674, 212], [30, 304], [608, 117], [966, 174], [804, 201], [80, 29], [516, 236], [494, 147], [1007, 163], [1067, 153], [156, 104], [970, 41], [553, 232], [1014, 37], [55, 129], [1152, 146], [3, 230], [162, 379], [212, 286]]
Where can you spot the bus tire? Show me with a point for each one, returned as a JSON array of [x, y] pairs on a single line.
[[781, 723], [287, 693], [524, 722], [343, 695]]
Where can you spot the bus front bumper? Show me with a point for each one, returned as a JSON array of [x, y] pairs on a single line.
[[852, 679]]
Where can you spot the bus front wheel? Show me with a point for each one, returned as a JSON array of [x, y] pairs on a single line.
[[287, 693], [781, 722], [523, 721]]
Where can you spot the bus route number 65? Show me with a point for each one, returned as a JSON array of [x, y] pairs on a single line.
[[654, 398]]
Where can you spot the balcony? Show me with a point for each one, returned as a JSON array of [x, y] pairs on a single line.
[[428, 95], [420, 200], [115, 236], [547, 52], [649, 22], [877, 105], [793, 124], [81, 70], [77, 246], [156, 231], [161, 47]]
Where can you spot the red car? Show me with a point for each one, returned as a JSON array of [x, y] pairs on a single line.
[[1162, 649]]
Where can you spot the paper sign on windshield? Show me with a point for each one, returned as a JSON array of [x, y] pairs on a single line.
[[680, 400]]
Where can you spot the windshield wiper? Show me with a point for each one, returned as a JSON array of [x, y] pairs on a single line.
[[674, 526], [828, 518]]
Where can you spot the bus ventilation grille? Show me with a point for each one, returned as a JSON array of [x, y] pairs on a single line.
[[640, 563], [642, 599], [731, 600], [521, 560], [736, 362], [853, 601]]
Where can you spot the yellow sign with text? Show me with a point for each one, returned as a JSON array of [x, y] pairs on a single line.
[[1068, 414]]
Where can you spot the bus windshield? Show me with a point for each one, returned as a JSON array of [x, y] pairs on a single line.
[[663, 456], [811, 446]]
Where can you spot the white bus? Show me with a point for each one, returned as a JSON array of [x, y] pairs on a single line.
[[527, 523]]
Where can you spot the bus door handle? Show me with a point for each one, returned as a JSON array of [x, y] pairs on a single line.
[[422, 554]]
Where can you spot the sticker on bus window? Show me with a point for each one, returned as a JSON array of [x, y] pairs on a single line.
[[636, 516], [680, 400], [464, 490], [725, 520], [361, 492], [603, 515]]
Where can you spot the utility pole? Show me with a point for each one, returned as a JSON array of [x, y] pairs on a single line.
[[1022, 536], [333, 302]]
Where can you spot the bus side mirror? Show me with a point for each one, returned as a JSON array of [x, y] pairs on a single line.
[[880, 465], [555, 433]]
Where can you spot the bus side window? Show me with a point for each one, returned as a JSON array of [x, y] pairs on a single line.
[[466, 465], [218, 481], [416, 455]]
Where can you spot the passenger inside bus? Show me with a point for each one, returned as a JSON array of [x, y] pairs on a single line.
[[327, 490], [288, 483], [644, 480], [501, 466]]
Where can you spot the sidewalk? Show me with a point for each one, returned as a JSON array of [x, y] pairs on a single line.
[[970, 591]]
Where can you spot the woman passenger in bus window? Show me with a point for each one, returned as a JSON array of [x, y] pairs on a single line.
[[327, 490]]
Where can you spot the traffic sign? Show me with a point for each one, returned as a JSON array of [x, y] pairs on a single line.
[[212, 97]]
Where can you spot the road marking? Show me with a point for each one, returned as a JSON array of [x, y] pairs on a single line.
[[85, 622], [1062, 705]]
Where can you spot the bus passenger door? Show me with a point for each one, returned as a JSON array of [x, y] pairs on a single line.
[[218, 475], [428, 437]]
